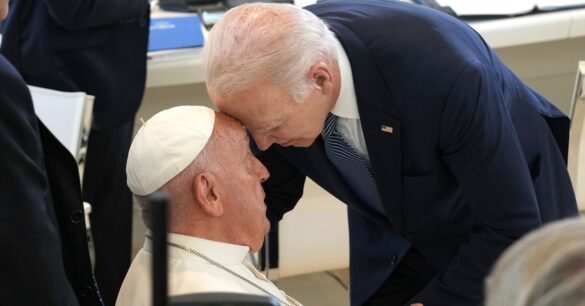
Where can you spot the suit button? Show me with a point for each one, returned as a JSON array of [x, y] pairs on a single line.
[[394, 260], [85, 291], [76, 216]]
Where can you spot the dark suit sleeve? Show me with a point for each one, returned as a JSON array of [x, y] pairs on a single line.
[[285, 185], [479, 144], [82, 14], [31, 268]]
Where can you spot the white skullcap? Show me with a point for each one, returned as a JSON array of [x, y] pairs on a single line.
[[165, 145]]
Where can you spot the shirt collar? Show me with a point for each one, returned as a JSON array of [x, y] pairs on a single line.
[[346, 105], [224, 253]]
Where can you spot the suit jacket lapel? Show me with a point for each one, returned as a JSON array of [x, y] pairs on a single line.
[[314, 163], [381, 131]]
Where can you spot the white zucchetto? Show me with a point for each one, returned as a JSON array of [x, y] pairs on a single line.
[[165, 145]]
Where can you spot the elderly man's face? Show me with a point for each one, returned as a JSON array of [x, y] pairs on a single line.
[[243, 195], [3, 9], [272, 116]]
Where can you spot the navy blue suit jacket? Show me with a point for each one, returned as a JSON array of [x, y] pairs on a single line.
[[94, 46], [99, 47], [44, 258], [473, 162]]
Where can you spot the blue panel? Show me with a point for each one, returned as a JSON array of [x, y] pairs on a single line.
[[175, 33]]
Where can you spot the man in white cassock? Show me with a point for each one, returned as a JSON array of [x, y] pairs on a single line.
[[217, 214]]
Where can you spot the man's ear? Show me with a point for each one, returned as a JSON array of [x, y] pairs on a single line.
[[321, 76], [205, 189]]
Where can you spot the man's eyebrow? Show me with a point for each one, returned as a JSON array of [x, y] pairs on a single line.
[[264, 130], [271, 125]]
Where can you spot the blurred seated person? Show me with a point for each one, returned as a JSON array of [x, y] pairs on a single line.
[[217, 213], [545, 268]]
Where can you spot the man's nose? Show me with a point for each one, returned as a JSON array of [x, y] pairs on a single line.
[[263, 141], [262, 171]]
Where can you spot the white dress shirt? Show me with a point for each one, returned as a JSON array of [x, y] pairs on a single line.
[[346, 109], [189, 273]]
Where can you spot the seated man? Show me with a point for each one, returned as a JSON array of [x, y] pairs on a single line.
[[546, 267], [217, 213]]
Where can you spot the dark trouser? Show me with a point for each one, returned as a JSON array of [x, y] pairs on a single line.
[[411, 275], [104, 187]]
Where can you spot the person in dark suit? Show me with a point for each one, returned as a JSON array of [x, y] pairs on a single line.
[[443, 156], [98, 47], [45, 257]]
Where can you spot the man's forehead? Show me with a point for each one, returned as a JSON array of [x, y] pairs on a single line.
[[253, 115]]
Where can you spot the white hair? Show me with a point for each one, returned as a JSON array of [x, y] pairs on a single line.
[[545, 268], [266, 42]]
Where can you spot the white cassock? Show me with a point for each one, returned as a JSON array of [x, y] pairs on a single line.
[[189, 273]]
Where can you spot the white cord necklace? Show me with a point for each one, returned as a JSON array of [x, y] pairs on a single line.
[[289, 300]]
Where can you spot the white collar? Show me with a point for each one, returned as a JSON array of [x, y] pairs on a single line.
[[346, 104], [224, 253]]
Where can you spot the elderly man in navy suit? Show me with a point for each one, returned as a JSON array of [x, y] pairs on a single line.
[[443, 156], [98, 47]]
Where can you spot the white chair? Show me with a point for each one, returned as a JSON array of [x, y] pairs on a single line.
[[66, 114]]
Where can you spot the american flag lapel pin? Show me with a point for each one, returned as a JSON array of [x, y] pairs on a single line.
[[387, 129]]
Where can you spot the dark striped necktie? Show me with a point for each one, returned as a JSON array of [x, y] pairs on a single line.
[[354, 169]]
